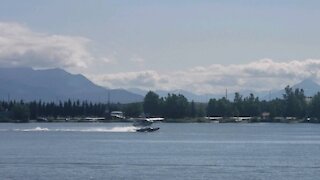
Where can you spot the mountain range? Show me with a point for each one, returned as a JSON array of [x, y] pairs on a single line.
[[309, 86], [56, 85]]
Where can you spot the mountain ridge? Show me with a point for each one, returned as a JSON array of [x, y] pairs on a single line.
[[56, 85], [309, 86]]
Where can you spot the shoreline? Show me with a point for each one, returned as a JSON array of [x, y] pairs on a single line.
[[184, 120]]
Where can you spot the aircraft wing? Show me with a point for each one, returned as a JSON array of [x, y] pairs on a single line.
[[145, 121], [154, 119]]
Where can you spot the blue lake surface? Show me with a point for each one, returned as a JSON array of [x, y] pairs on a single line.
[[176, 151]]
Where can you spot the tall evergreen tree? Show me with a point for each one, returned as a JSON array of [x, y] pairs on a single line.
[[315, 106], [151, 104]]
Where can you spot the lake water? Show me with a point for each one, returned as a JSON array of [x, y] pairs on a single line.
[[176, 151]]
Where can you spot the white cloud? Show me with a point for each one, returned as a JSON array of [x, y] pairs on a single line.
[[124, 80], [20, 46], [260, 75]]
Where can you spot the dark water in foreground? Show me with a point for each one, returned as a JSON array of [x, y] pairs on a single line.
[[176, 151]]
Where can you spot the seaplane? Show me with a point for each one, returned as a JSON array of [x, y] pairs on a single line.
[[144, 124]]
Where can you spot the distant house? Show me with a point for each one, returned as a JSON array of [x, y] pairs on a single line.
[[215, 119], [291, 118], [265, 115], [117, 115]]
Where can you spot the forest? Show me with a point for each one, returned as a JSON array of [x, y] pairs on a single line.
[[294, 103]]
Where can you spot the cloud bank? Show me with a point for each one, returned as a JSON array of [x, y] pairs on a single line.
[[261, 75], [20, 46]]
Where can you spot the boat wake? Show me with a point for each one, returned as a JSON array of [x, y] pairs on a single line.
[[93, 129], [34, 129]]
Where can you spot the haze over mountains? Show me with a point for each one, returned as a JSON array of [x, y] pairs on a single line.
[[56, 85], [309, 86]]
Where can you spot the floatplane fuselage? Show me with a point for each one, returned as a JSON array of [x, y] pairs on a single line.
[[144, 124]]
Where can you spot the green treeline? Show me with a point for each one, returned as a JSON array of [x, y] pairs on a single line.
[[19, 110], [173, 106], [294, 103]]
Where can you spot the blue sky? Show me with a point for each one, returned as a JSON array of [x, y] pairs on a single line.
[[147, 44]]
